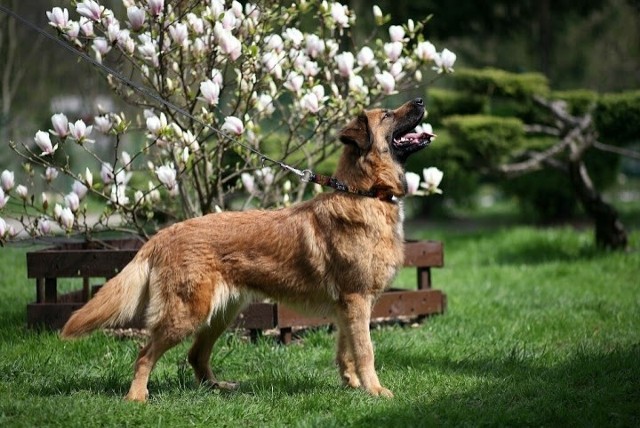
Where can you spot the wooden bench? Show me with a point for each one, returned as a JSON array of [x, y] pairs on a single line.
[[87, 262]]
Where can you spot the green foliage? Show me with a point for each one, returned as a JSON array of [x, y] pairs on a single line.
[[579, 101], [488, 140], [443, 102], [494, 82], [617, 117]]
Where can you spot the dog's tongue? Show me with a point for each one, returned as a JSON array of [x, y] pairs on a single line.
[[415, 137]]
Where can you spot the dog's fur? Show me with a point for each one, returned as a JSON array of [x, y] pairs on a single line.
[[332, 255]]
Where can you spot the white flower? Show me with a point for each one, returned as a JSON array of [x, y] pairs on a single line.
[[366, 57], [248, 181], [432, 178], [136, 17], [90, 9], [79, 189], [156, 125], [118, 195], [444, 61], [266, 175], [340, 14], [210, 92], [310, 102], [356, 84], [387, 82], [57, 211], [314, 45], [179, 33], [80, 131], [87, 26], [60, 125], [66, 218], [22, 191], [396, 33], [106, 173], [126, 160], [393, 50], [426, 51], [229, 44], [233, 125], [50, 174], [345, 62], [413, 182], [294, 82], [3, 227], [72, 201], [264, 103], [377, 14], [294, 35], [113, 30], [425, 127], [43, 141], [58, 18], [88, 176], [274, 42], [3, 199], [44, 226], [167, 176], [155, 6], [102, 123], [7, 179]]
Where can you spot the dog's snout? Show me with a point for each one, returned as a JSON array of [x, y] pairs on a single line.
[[419, 102]]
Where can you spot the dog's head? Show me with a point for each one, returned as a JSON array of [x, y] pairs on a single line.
[[377, 144]]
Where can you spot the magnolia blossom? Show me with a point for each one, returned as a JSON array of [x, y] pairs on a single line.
[[294, 82], [58, 18], [50, 174], [136, 17], [44, 143], [90, 9], [310, 102], [356, 83], [3, 199], [396, 33], [444, 61], [266, 175], [79, 189], [377, 14], [387, 82], [44, 226], [432, 178], [118, 195], [340, 14], [66, 218], [345, 62], [155, 124], [60, 125], [102, 123], [22, 191], [86, 25], [294, 35], [167, 176], [79, 131], [106, 173], [248, 182], [210, 92], [3, 228], [72, 201], [7, 179], [233, 125], [113, 30], [426, 51], [314, 45], [393, 50], [155, 6], [425, 127], [413, 182], [366, 58], [274, 42], [229, 44], [179, 33]]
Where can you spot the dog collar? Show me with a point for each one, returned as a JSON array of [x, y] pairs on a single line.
[[338, 185]]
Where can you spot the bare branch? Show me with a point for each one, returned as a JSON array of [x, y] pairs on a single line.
[[617, 150]]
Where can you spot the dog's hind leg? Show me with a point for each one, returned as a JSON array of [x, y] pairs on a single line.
[[353, 318], [200, 352]]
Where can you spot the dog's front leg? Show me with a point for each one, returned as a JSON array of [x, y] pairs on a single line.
[[345, 361], [353, 321]]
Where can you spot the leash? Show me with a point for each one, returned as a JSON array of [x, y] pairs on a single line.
[[303, 175]]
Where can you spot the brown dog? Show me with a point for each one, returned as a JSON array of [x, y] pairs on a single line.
[[332, 255]]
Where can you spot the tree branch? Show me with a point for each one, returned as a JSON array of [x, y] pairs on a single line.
[[617, 150]]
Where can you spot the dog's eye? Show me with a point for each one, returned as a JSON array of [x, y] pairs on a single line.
[[386, 115]]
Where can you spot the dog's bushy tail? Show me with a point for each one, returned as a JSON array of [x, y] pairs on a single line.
[[119, 301]]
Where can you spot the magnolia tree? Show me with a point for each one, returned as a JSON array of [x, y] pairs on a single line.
[[247, 77]]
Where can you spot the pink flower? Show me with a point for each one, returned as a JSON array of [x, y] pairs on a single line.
[[86, 25], [72, 201], [345, 62], [43, 141], [426, 51], [66, 218], [58, 18], [22, 191], [155, 7], [294, 82], [179, 34], [274, 42], [3, 199], [79, 131], [229, 44], [7, 179], [294, 35], [210, 92], [136, 17], [366, 57], [340, 14], [233, 125], [310, 102], [44, 226], [387, 82], [393, 50], [60, 125], [314, 45], [90, 9]]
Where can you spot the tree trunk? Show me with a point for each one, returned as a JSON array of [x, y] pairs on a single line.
[[609, 230]]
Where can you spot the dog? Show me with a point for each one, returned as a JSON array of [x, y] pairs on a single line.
[[332, 255]]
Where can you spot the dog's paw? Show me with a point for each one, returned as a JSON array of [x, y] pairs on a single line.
[[223, 386], [137, 396], [381, 392], [351, 380]]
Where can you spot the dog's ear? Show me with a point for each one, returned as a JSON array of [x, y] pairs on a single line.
[[357, 132]]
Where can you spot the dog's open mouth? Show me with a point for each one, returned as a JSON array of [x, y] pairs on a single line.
[[415, 139]]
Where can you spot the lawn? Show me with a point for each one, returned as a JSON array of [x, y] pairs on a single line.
[[541, 330]]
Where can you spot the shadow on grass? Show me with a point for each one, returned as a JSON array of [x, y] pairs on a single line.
[[588, 389]]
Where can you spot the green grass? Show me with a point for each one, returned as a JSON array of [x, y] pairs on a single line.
[[541, 330]]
